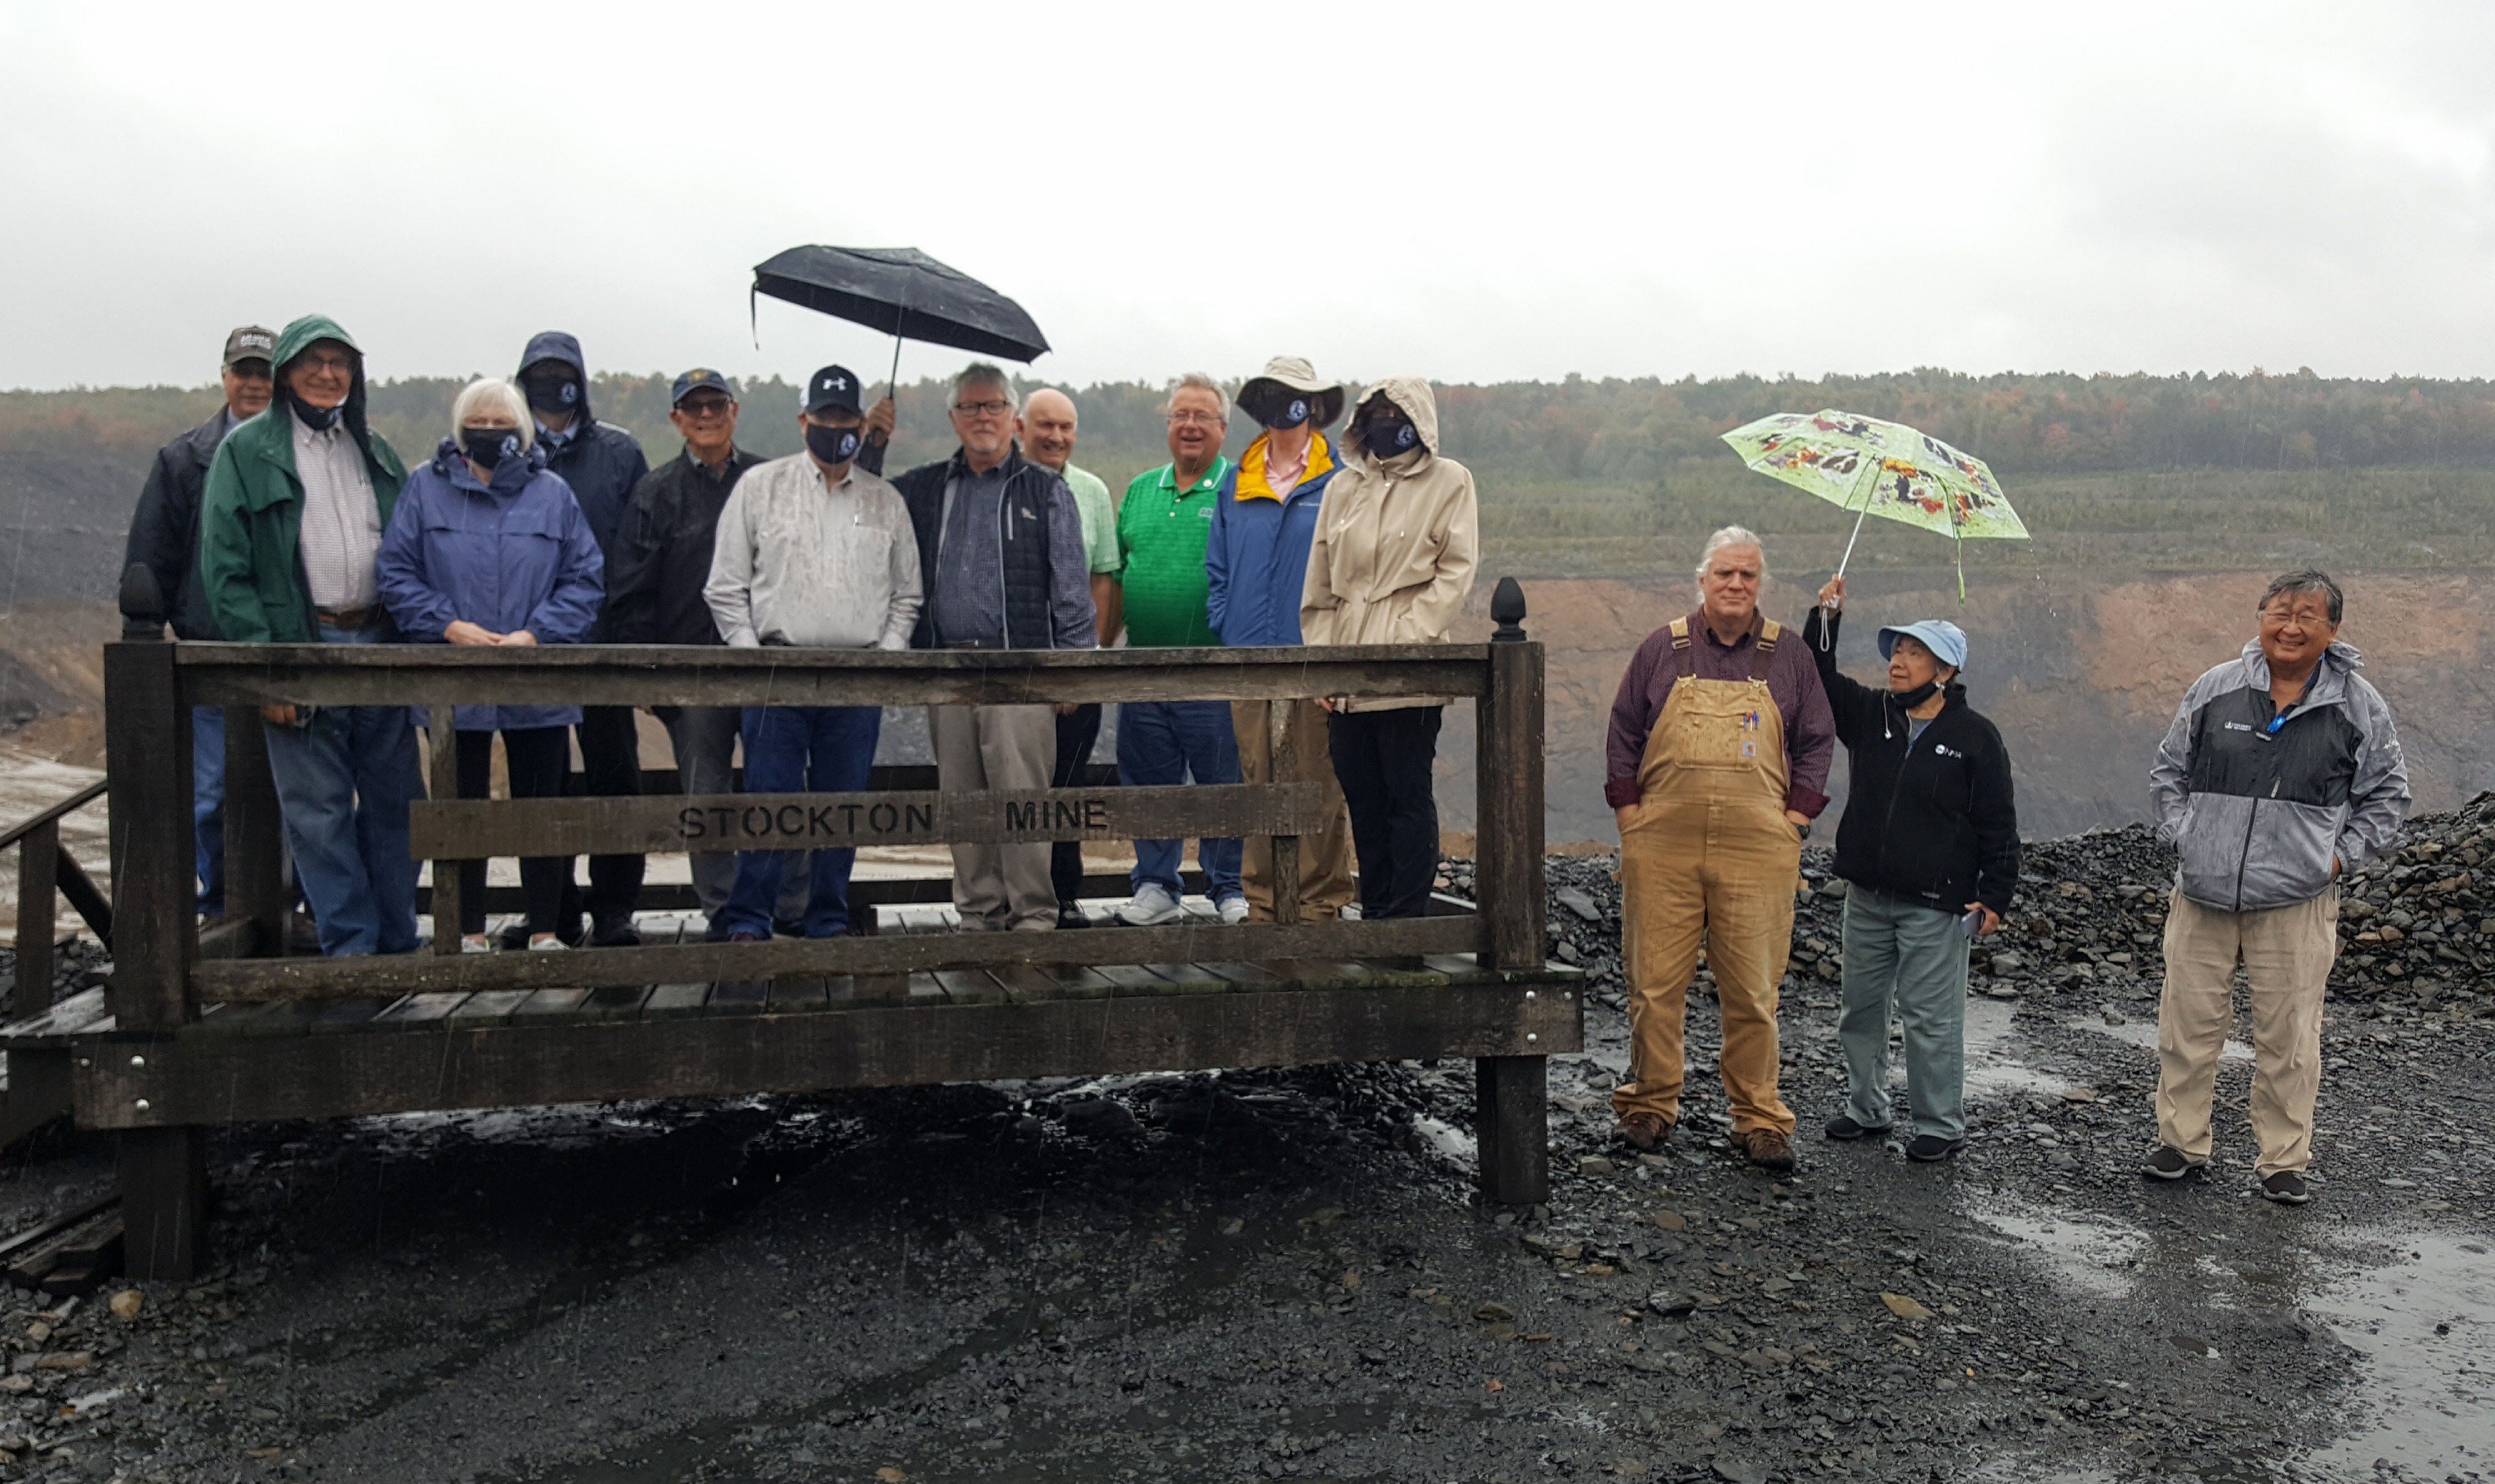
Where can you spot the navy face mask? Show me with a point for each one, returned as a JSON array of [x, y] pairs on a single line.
[[1384, 438], [832, 446], [1290, 416], [545, 394], [488, 447], [317, 419]]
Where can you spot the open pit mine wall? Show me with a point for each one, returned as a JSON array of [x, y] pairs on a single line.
[[2081, 673]]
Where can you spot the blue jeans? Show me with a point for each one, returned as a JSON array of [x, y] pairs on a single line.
[[344, 781], [208, 803], [801, 749], [1166, 742]]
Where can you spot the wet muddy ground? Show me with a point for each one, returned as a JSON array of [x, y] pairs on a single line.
[[1286, 1275]]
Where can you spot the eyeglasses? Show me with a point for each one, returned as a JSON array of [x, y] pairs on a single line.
[[991, 408], [704, 406], [318, 360], [1197, 419]]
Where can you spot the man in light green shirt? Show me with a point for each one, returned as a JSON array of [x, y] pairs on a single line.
[[1047, 429]]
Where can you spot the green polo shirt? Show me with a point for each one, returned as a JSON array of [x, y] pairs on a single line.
[[1099, 520], [1162, 532]]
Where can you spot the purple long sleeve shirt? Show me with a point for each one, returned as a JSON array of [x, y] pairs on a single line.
[[1793, 682]]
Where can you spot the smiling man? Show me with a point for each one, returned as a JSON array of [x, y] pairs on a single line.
[[1720, 742], [2281, 774]]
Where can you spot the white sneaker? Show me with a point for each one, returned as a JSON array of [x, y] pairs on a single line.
[[555, 945], [1234, 909], [476, 945], [1350, 912], [1153, 904]]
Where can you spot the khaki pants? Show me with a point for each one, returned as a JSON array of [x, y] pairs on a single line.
[[1326, 885], [998, 747], [2287, 953], [1721, 873]]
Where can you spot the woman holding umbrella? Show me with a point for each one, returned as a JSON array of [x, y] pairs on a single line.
[[1929, 850]]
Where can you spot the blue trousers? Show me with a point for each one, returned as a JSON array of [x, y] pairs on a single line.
[[208, 803], [801, 749], [344, 781], [1168, 741]]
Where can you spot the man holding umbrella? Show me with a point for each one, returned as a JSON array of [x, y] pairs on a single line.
[[1000, 556]]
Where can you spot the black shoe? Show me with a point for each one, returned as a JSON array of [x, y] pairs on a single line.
[[619, 933], [1069, 917], [1845, 1130], [2287, 1188], [2167, 1163], [1932, 1148]]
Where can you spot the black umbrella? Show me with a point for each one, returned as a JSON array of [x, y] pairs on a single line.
[[905, 293]]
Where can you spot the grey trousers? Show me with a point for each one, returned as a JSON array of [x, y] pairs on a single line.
[[1903, 953], [996, 887], [704, 738]]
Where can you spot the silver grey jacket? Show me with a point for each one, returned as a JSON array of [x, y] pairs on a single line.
[[2261, 812], [795, 563]]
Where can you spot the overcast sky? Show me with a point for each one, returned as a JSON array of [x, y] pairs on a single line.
[[1464, 192]]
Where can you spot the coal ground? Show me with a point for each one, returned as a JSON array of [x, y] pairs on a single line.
[[1286, 1274]]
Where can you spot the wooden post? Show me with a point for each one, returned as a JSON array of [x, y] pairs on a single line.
[[163, 1172], [39, 856], [442, 734], [1510, 1124], [255, 838], [1286, 877]]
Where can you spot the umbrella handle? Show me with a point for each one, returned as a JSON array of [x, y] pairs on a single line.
[[1827, 612]]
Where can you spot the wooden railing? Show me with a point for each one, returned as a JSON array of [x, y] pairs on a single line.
[[46, 871], [162, 975]]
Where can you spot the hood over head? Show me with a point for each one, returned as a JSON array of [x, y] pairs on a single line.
[[1412, 395], [559, 346], [299, 337]]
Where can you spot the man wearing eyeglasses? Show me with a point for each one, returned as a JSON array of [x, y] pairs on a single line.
[[653, 596], [1001, 552]]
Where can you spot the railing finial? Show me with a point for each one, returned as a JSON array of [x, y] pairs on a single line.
[[142, 606], [1507, 607]]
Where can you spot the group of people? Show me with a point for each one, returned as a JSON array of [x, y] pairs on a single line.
[[2281, 772], [286, 519]]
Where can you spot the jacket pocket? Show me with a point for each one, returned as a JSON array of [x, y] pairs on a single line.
[[2210, 843]]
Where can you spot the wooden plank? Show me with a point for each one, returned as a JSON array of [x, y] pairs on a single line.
[[665, 674], [739, 997], [1125, 979], [417, 1011], [970, 986], [1409, 971], [1286, 874], [83, 895], [1191, 979], [1025, 982], [69, 1018], [1511, 1124], [797, 996], [340, 1015], [621, 1002], [547, 1003], [54, 812], [210, 1078], [675, 1002], [147, 751], [255, 835], [1248, 974], [1508, 763], [489, 1007], [38, 854], [442, 734], [710, 962], [606, 825]]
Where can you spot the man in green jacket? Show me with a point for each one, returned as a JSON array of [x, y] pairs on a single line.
[[289, 529]]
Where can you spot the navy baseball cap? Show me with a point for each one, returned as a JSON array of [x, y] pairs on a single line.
[[701, 379], [833, 387]]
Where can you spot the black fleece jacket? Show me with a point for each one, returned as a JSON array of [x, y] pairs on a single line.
[[1933, 821]]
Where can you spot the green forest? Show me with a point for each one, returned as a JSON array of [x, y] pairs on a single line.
[[1624, 476]]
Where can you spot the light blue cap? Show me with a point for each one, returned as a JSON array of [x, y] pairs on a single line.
[[1946, 639]]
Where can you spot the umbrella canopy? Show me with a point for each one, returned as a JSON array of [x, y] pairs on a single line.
[[903, 292], [1885, 468]]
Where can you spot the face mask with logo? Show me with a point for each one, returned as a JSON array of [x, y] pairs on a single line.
[[550, 394], [488, 447], [1290, 414], [1385, 437], [832, 446]]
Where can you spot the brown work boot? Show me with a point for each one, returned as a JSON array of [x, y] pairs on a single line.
[[1644, 1130], [1767, 1148]]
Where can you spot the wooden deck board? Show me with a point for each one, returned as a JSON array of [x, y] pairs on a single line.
[[970, 986], [672, 1002]]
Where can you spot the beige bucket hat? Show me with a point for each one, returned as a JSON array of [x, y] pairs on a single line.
[[1284, 378]]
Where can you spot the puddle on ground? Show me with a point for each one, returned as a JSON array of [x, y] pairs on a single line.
[[1990, 1068], [2425, 1324], [2089, 1254], [2143, 1035], [1456, 1146]]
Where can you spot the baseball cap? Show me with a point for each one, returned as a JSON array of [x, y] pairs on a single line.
[[250, 342], [833, 387], [1946, 639], [701, 379]]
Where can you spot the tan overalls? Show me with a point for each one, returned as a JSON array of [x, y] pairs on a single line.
[[1710, 858]]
